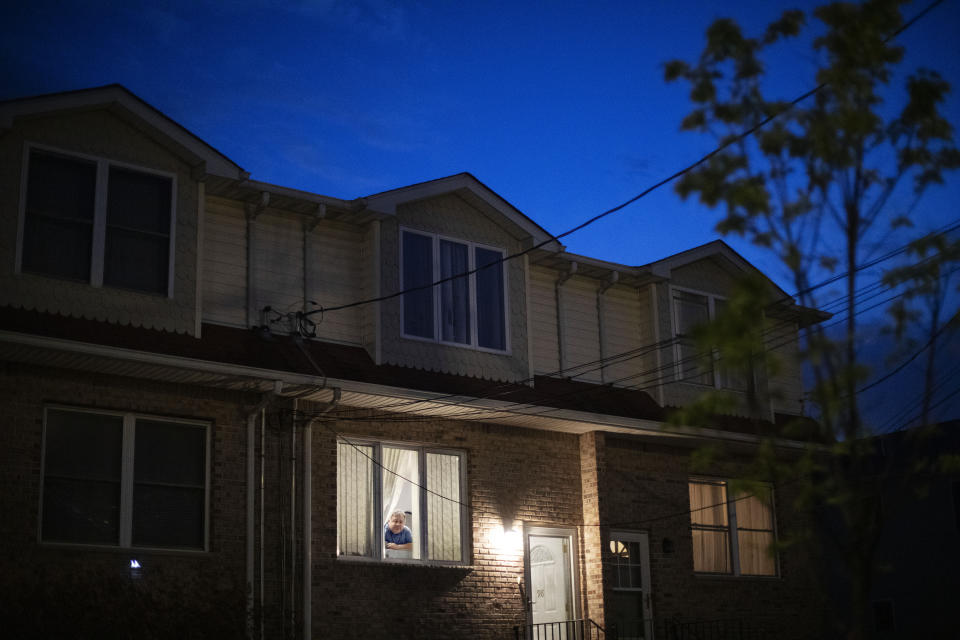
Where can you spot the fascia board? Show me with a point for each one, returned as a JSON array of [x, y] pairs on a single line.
[[507, 411], [388, 201]]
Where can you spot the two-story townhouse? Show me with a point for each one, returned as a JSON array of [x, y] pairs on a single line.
[[218, 391]]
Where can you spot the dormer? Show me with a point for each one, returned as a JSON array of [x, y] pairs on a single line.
[[102, 197], [693, 286], [474, 325]]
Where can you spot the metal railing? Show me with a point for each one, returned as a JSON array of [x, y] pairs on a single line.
[[583, 629], [677, 629]]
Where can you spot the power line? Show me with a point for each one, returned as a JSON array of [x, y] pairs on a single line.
[[780, 110]]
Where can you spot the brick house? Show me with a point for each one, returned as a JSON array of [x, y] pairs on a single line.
[[202, 428]]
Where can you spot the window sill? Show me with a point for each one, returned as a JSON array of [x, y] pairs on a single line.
[[97, 548], [455, 345], [398, 562], [730, 576]]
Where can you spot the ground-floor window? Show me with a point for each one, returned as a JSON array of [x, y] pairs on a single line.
[[124, 479], [398, 501], [733, 532]]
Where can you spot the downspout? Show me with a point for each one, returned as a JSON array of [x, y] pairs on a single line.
[[293, 521], [259, 410], [602, 289], [308, 514], [306, 494]]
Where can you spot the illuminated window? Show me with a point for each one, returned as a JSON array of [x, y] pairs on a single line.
[[427, 486], [734, 536], [124, 480]]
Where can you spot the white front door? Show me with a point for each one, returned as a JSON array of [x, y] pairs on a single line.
[[551, 585]]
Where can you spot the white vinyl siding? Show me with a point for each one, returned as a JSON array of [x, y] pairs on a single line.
[[336, 272], [543, 323], [335, 269], [225, 264], [621, 328], [278, 262], [581, 331]]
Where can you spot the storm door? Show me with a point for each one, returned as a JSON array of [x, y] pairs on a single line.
[[629, 612], [551, 583]]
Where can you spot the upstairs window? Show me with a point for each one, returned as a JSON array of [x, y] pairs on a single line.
[[732, 534], [124, 480], [466, 310], [691, 310], [95, 221], [376, 480]]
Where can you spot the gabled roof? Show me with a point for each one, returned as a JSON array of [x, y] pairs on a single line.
[[387, 202], [122, 102], [784, 302], [715, 248]]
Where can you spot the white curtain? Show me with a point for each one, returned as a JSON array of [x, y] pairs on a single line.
[[454, 294], [354, 499], [401, 475], [755, 534], [443, 514], [708, 518]]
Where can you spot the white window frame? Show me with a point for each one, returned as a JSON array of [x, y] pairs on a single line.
[[732, 530], [98, 246], [377, 527], [719, 374], [127, 477], [472, 279]]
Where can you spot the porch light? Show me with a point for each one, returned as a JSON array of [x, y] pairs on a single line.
[[508, 541]]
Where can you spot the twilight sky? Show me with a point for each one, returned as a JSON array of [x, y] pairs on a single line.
[[559, 107]]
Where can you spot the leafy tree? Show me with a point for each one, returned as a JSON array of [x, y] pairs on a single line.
[[816, 184]]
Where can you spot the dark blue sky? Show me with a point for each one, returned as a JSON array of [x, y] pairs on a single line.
[[560, 107]]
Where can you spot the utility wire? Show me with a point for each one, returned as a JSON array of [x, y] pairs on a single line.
[[782, 108]]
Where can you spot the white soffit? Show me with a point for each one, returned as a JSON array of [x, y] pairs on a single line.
[[81, 356]]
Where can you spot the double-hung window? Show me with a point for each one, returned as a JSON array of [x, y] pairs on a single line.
[[732, 534], [97, 221], [427, 486], [691, 310], [468, 310], [125, 480]]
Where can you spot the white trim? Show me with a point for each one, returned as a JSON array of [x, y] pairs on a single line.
[[422, 450], [471, 247], [127, 475], [99, 222], [571, 534]]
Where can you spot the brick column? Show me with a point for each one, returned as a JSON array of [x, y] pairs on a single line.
[[591, 470]]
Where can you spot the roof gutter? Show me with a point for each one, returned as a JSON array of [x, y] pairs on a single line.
[[480, 409]]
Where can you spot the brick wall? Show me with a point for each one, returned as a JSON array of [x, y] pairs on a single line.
[[512, 475], [90, 592], [646, 488]]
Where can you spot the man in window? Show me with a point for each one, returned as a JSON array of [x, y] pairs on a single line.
[[397, 536]]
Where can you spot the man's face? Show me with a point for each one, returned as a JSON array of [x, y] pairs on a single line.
[[396, 524]]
